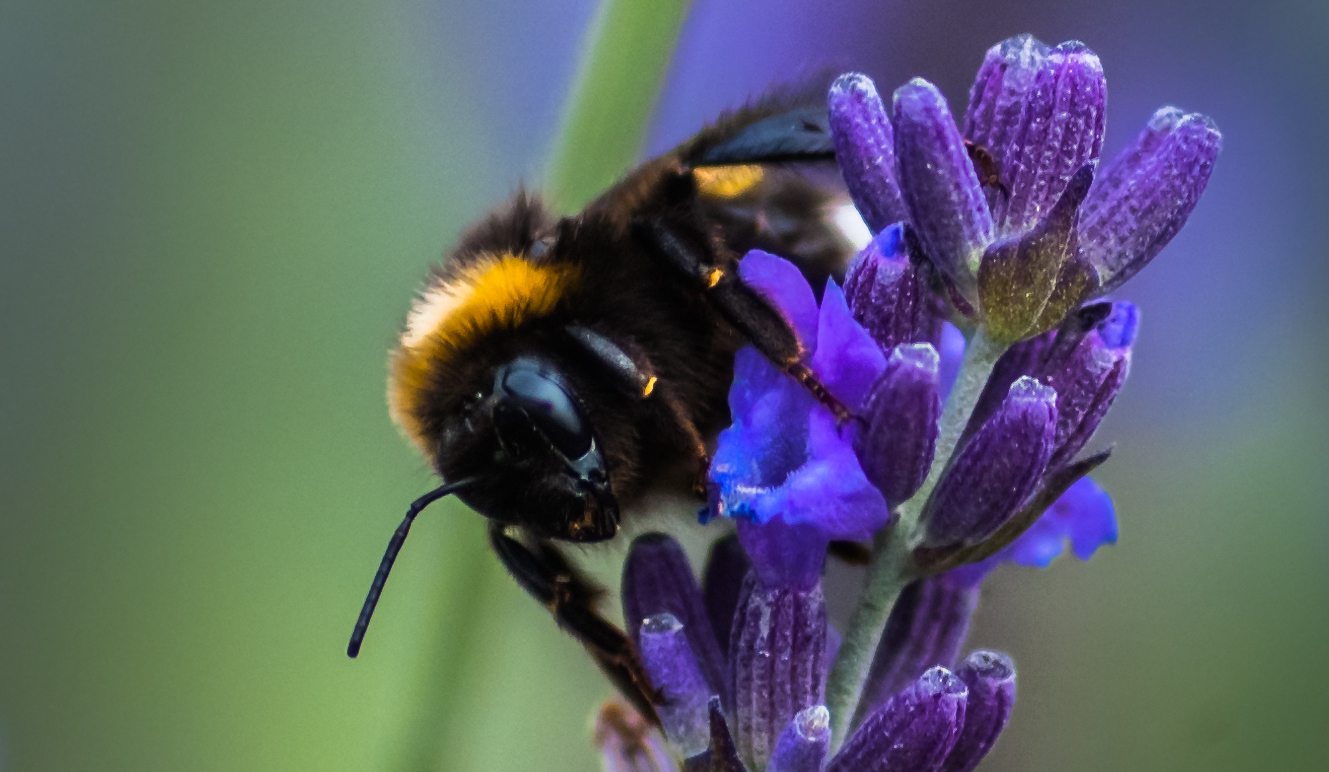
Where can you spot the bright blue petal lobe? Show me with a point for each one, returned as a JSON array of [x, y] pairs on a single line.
[[783, 284], [848, 360]]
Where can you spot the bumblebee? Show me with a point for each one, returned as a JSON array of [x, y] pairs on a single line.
[[555, 368]]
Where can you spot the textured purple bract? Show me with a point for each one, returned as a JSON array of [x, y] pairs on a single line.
[[803, 744], [673, 670], [1040, 113], [913, 732], [896, 447], [926, 628], [1145, 195], [657, 578], [999, 468], [778, 658], [946, 204], [1083, 516], [890, 294], [990, 677], [865, 150]]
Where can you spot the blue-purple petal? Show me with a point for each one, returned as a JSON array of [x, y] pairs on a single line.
[[783, 284], [952, 355], [848, 360]]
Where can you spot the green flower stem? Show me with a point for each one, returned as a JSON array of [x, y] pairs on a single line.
[[888, 573], [618, 81], [981, 353], [887, 576]]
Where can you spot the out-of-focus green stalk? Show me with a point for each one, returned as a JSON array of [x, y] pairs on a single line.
[[618, 80], [626, 51]]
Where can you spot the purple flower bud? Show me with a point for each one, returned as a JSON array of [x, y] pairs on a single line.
[[890, 295], [1040, 113], [722, 756], [657, 578], [803, 744], [946, 204], [1144, 196], [999, 468], [990, 677], [913, 732], [865, 150], [778, 652], [627, 743], [1017, 275], [1023, 358], [926, 628], [902, 410], [1087, 377], [673, 670], [726, 568]]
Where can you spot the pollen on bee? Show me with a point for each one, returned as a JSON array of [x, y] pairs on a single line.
[[727, 181], [650, 387], [714, 277]]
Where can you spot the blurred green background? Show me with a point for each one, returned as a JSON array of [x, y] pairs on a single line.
[[212, 218]]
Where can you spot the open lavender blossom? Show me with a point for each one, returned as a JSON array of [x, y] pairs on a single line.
[[775, 465]]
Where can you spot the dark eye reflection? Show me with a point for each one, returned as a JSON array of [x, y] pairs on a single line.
[[536, 392]]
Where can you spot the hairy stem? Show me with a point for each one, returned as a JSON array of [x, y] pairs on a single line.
[[888, 572]]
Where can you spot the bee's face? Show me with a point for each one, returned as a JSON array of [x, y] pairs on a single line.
[[537, 461]]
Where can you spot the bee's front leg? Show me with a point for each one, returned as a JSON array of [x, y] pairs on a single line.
[[743, 307], [543, 572]]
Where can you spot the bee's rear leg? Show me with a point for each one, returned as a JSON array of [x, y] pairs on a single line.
[[544, 573], [742, 306]]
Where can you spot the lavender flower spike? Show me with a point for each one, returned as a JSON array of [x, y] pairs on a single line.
[[914, 732], [1144, 196], [997, 470], [803, 744], [902, 409], [990, 677], [946, 204], [778, 655], [865, 150], [673, 670]]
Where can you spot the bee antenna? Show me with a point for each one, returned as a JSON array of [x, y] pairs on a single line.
[[390, 557]]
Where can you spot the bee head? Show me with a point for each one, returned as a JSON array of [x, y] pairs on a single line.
[[534, 457]]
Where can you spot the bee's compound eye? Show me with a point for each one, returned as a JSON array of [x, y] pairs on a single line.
[[550, 407]]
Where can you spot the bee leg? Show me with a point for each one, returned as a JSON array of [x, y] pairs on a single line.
[[746, 309], [546, 575], [987, 168]]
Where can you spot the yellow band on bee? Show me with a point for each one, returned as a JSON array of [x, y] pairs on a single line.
[[495, 293], [727, 181]]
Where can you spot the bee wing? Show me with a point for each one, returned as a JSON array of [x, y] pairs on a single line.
[[802, 134]]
